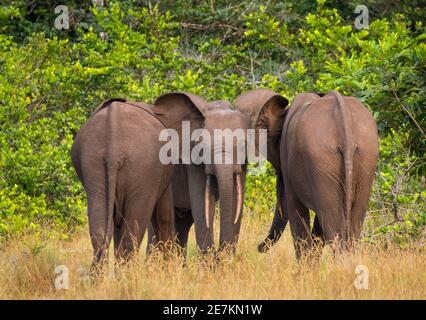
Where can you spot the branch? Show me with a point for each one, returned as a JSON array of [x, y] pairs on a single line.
[[214, 25], [408, 112]]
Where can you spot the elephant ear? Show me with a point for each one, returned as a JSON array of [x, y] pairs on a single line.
[[272, 115], [265, 107], [251, 103], [266, 110], [173, 108]]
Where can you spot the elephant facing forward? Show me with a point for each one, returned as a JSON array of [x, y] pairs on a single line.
[[198, 185], [325, 149]]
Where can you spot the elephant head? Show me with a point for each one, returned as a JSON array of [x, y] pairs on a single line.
[[228, 130], [256, 109]]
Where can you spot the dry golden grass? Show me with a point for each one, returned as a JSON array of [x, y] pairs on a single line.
[[27, 272]]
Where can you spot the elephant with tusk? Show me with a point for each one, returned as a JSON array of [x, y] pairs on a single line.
[[197, 186], [324, 149], [116, 157]]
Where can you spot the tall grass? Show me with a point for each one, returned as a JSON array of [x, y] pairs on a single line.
[[27, 271]]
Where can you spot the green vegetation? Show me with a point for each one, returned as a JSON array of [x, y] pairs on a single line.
[[51, 80]]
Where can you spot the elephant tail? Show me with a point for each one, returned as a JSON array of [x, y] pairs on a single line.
[[112, 166], [348, 158]]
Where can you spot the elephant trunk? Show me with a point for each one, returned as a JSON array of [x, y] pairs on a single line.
[[225, 179]]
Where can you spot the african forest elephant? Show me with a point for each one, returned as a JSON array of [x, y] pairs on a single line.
[[328, 150], [116, 156], [197, 186]]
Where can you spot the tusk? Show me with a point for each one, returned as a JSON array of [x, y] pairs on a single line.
[[207, 201], [239, 198], [280, 210]]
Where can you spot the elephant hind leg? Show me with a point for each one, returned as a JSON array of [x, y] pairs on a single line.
[[183, 223], [331, 223], [126, 240], [299, 223], [162, 220], [364, 169], [97, 213], [129, 234]]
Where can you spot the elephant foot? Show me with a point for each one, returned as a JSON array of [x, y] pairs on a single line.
[[265, 245]]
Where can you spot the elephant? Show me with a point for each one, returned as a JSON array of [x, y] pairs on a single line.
[[196, 187], [116, 157], [325, 147]]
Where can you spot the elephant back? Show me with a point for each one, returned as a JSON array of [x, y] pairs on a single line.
[[106, 103], [141, 105]]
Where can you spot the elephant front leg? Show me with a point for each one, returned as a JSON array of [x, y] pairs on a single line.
[[280, 218], [277, 228], [197, 186], [183, 223]]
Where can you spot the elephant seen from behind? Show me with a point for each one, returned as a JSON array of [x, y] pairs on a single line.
[[325, 151], [116, 157]]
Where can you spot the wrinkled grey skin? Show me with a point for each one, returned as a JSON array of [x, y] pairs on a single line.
[[116, 156], [327, 149], [189, 184]]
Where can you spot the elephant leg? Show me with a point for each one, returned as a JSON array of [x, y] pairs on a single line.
[[183, 223], [280, 218], [97, 213], [127, 240], [277, 228], [197, 185], [299, 223], [330, 217], [128, 236], [163, 220], [152, 240], [317, 234], [364, 169]]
